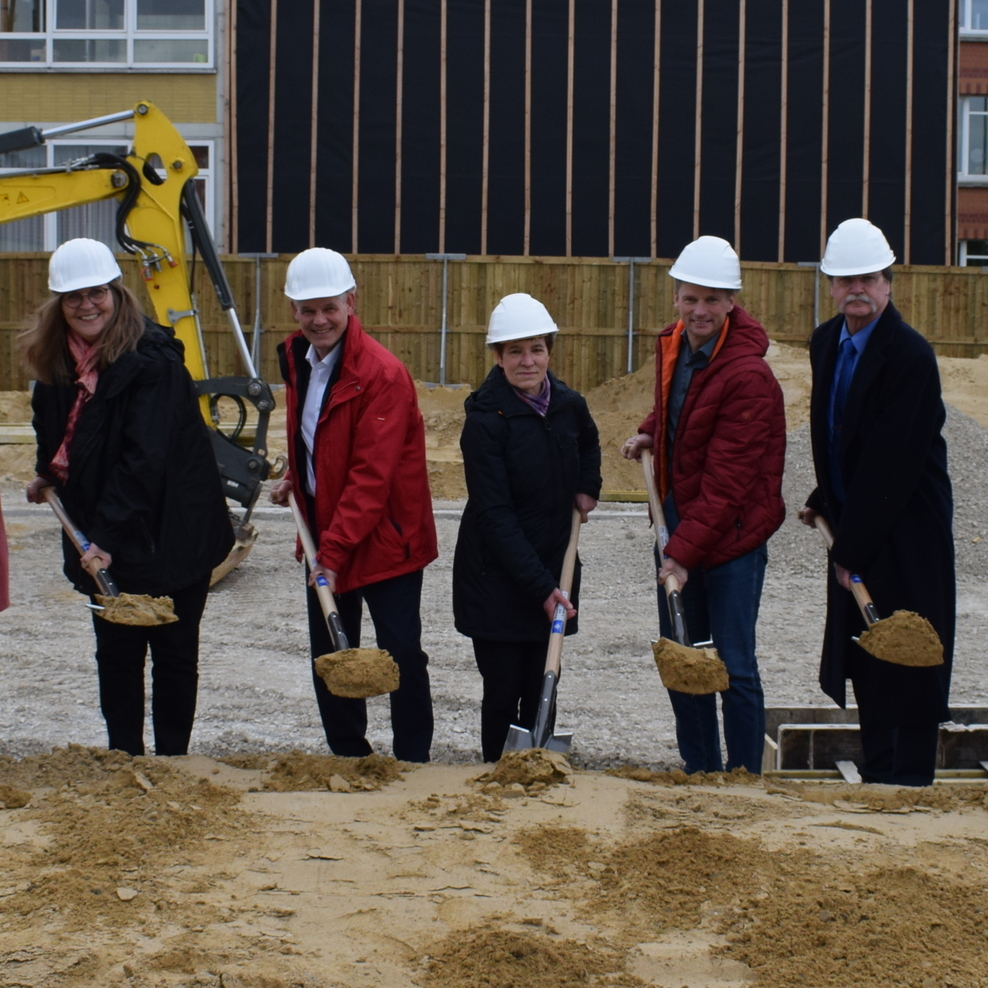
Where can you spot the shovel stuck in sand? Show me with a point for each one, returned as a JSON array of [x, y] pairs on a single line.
[[905, 638], [118, 608], [353, 672], [682, 667]]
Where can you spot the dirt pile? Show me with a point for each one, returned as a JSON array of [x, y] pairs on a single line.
[[534, 766], [298, 772], [689, 670], [358, 672]]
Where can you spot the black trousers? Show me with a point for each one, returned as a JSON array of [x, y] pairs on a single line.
[[513, 674], [394, 609], [120, 654], [899, 756]]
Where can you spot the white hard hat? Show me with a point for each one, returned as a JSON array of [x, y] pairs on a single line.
[[318, 273], [710, 263], [81, 263], [856, 247], [519, 317]]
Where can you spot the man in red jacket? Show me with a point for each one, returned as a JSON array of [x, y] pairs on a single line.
[[356, 454], [718, 436]]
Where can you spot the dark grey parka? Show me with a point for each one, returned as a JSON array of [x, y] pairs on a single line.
[[523, 473]]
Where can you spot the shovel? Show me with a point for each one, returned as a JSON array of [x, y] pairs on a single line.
[[352, 672], [540, 736], [682, 667], [905, 638], [114, 606]]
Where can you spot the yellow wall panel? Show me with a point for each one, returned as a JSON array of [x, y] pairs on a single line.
[[64, 97]]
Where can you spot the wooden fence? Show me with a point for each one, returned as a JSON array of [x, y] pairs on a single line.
[[399, 301]]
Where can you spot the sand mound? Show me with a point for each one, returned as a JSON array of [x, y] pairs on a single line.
[[689, 670], [487, 958], [358, 672], [905, 638], [530, 767], [298, 772]]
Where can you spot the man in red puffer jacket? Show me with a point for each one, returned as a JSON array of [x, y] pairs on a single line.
[[718, 436], [356, 455]]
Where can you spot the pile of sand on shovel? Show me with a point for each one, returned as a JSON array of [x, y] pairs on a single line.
[[905, 638], [689, 670], [137, 609], [358, 672]]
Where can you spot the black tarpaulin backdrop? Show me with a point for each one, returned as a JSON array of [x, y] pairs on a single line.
[[418, 187]]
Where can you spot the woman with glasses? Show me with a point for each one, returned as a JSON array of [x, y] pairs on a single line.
[[121, 439]]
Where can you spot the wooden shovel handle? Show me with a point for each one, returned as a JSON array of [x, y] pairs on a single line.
[[553, 659], [861, 596], [658, 518], [103, 579]]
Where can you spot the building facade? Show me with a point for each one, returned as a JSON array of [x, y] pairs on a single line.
[[64, 61]]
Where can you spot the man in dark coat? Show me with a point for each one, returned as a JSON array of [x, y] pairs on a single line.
[[881, 466], [718, 437]]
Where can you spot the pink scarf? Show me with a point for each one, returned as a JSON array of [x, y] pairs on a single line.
[[85, 355]]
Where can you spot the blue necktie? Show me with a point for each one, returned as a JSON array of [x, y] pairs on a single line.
[[846, 358]]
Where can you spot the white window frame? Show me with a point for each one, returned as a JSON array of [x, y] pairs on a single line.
[[965, 12], [128, 34], [964, 258], [964, 114], [50, 220]]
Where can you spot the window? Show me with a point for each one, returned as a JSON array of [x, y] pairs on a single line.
[[118, 33], [973, 253], [96, 220], [974, 16], [972, 138]]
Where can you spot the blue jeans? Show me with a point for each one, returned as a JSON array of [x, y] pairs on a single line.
[[722, 604]]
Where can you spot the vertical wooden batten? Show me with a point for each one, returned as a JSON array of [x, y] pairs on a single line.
[[739, 150], [612, 137], [866, 136], [314, 129], [443, 11], [825, 127], [399, 90], [355, 141], [569, 125], [526, 246], [656, 64], [951, 169], [907, 214], [486, 149], [272, 65], [698, 120], [783, 130], [233, 200]]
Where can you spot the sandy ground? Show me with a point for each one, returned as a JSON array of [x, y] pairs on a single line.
[[300, 870]]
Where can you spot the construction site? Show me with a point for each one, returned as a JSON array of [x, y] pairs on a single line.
[[455, 154]]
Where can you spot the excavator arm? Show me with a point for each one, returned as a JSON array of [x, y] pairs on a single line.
[[158, 208]]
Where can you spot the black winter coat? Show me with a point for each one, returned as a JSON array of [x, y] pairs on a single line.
[[523, 473], [894, 528], [143, 481]]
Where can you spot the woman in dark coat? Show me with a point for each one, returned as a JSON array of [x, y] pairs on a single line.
[[530, 455], [121, 438]]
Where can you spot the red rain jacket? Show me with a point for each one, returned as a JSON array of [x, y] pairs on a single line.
[[730, 446], [373, 505]]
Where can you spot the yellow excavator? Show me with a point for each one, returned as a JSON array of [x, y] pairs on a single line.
[[158, 208]]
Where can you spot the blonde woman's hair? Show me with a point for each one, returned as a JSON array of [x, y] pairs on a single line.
[[45, 348]]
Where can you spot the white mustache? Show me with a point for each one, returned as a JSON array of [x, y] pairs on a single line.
[[862, 297]]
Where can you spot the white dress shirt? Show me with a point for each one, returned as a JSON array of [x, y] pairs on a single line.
[[322, 370]]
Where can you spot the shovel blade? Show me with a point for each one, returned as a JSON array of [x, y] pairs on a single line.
[[519, 739]]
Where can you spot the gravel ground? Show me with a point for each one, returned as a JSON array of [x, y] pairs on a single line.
[[256, 695]]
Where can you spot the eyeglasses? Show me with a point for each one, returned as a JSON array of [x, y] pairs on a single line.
[[95, 295]]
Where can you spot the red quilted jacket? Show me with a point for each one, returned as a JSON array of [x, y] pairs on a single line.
[[373, 506], [730, 446]]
